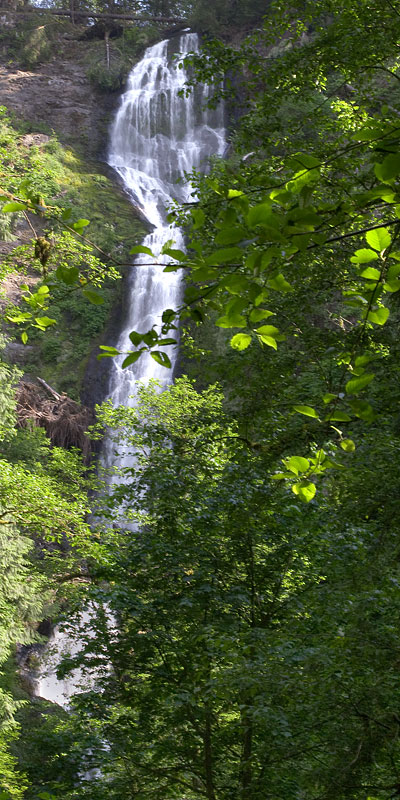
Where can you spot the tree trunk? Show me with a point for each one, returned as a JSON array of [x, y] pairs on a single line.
[[245, 766], [208, 757], [107, 43]]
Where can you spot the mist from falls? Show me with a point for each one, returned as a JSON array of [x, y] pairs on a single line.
[[156, 138]]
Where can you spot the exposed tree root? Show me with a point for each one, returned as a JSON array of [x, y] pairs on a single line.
[[64, 420]]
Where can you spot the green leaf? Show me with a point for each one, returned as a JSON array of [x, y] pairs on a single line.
[[240, 341], [45, 322], [379, 317], [328, 397], [235, 284], [68, 275], [364, 256], [230, 235], [166, 342], [198, 217], [389, 168], [280, 284], [267, 330], [24, 337], [260, 214], [161, 358], [379, 239], [8, 208], [66, 214], [112, 351], [302, 178], [260, 313], [168, 316], [17, 318], [268, 340], [393, 272], [347, 445], [150, 337], [304, 490], [370, 274], [93, 297], [308, 411], [225, 256], [338, 416], [139, 248], [392, 286], [80, 224], [357, 384], [177, 255], [136, 338], [304, 160], [297, 464], [363, 410], [204, 274], [234, 193], [132, 358], [231, 321]]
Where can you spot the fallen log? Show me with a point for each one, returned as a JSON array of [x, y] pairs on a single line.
[[52, 392], [102, 15]]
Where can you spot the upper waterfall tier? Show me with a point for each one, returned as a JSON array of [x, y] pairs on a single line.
[[160, 134]]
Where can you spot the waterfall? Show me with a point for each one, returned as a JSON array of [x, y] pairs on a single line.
[[157, 137]]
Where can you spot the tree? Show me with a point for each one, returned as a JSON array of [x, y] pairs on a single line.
[[255, 650], [43, 505]]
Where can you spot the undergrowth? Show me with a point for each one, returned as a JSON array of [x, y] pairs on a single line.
[[61, 178]]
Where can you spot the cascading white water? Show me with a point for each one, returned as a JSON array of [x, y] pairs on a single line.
[[156, 138]]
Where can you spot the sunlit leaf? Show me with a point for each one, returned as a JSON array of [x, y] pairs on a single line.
[[357, 384], [379, 239], [260, 313], [140, 248], [370, 274], [8, 208], [240, 341], [363, 256], [347, 445], [379, 316], [304, 490], [111, 350], [269, 341], [308, 411], [298, 464]]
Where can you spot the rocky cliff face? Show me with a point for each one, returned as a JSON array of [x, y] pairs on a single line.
[[57, 93], [56, 98]]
